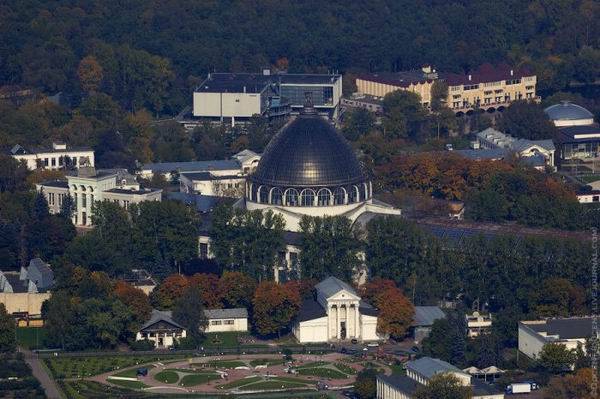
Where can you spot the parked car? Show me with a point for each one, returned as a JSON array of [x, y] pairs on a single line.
[[354, 341], [143, 371], [373, 344]]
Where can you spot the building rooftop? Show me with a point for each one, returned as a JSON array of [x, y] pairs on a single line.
[[202, 203], [235, 313], [428, 367], [308, 152], [20, 150], [194, 166], [426, 315], [584, 133], [399, 79], [258, 82], [14, 281], [486, 73], [157, 316], [42, 269], [331, 286], [567, 328], [133, 191], [56, 183], [492, 154], [207, 176], [400, 382], [310, 310], [567, 111]]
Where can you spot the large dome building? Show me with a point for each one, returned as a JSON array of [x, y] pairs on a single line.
[[569, 114], [308, 168]]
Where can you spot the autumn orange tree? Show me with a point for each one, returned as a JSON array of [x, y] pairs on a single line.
[[578, 385], [274, 307], [236, 289], [395, 310], [208, 285], [167, 292], [90, 74], [135, 299]]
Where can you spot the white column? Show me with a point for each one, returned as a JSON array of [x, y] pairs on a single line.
[[356, 327], [337, 322]]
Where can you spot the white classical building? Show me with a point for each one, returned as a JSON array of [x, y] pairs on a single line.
[[89, 185], [336, 314], [161, 330], [59, 156]]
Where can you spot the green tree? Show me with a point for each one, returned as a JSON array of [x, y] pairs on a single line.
[[13, 174], [365, 385], [556, 358], [404, 116], [165, 234], [443, 386], [329, 248], [189, 312], [357, 123], [527, 120], [439, 94], [8, 340], [247, 241]]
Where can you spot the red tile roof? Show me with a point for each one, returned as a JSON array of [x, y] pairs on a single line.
[[486, 73]]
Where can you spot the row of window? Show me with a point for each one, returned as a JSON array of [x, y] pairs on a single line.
[[221, 322], [52, 197], [310, 197], [161, 335], [63, 160]]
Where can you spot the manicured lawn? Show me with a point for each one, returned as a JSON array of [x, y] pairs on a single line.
[[292, 379], [224, 339], [191, 380], [129, 384], [311, 365], [239, 383], [323, 372], [228, 364], [168, 377], [131, 372], [72, 367], [344, 368], [268, 362], [264, 385], [31, 337]]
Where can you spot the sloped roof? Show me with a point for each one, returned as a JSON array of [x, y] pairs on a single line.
[[235, 313], [567, 111], [428, 367], [331, 286], [194, 166], [310, 310], [400, 382], [44, 270], [426, 315], [157, 316]]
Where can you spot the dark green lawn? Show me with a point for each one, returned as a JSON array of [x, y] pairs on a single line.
[[31, 337]]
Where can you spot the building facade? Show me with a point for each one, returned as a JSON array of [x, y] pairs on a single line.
[[58, 156], [89, 185], [570, 332], [226, 320], [337, 313], [24, 292], [489, 88], [378, 85], [237, 97], [161, 330]]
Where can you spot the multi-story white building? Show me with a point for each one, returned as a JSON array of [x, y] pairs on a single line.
[[478, 324], [570, 332], [59, 156], [421, 371], [239, 96], [89, 185]]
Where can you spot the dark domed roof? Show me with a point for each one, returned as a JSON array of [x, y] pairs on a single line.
[[567, 111], [308, 152]]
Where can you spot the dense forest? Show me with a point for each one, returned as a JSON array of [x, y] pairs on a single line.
[[151, 53]]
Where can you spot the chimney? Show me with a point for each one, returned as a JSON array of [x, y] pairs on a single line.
[[244, 89], [470, 77], [512, 72]]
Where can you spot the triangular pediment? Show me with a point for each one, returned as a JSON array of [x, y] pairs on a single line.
[[343, 295]]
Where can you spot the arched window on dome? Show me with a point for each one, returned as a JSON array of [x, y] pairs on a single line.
[[307, 197], [249, 192], [291, 197], [366, 191], [324, 197], [339, 196], [354, 195], [263, 194], [276, 196]]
